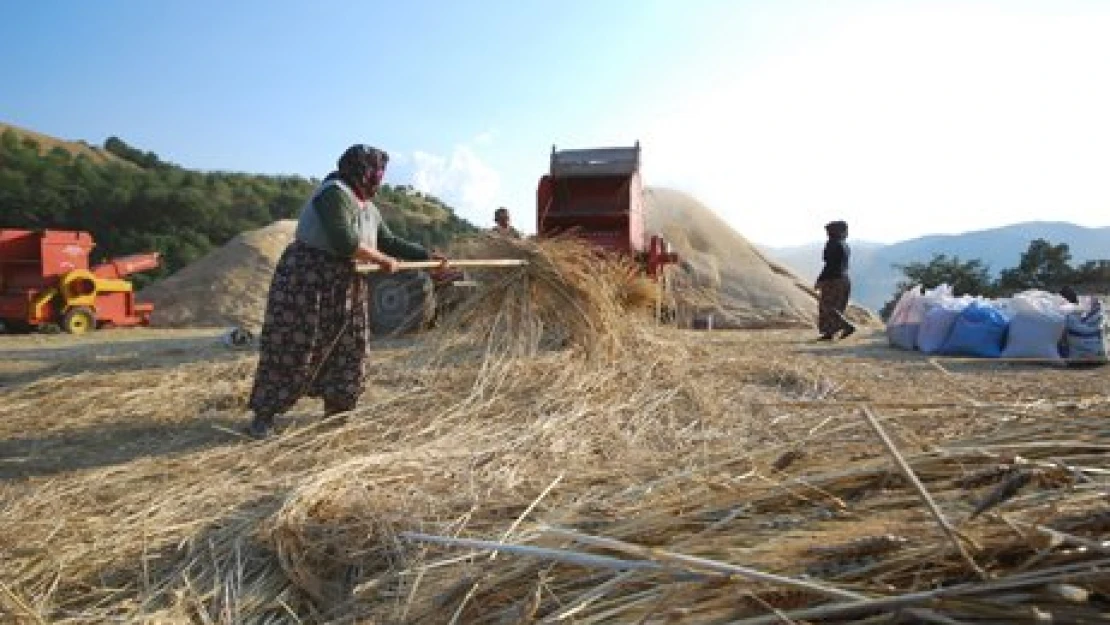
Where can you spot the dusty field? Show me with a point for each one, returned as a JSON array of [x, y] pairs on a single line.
[[126, 495]]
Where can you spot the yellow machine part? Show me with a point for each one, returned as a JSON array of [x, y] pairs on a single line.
[[78, 320], [80, 287], [42, 300], [78, 290], [109, 285]]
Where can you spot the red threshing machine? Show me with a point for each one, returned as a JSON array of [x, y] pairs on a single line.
[[45, 278], [596, 194]]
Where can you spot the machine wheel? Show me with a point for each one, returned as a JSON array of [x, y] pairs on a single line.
[[400, 303], [78, 320]]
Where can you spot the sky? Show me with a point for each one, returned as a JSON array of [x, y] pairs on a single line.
[[904, 118]]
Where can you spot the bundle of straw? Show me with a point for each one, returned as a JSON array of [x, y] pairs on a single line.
[[567, 295]]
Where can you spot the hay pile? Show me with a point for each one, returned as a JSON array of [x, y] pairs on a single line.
[[665, 477], [227, 287], [751, 290], [566, 295]]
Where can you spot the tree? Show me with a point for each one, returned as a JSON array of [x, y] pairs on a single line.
[[9, 140], [1093, 272], [970, 277], [1043, 266]]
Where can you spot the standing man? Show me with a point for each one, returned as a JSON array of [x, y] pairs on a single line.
[[834, 284], [503, 226]]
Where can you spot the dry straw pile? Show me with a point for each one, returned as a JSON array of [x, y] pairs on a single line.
[[225, 288], [547, 457]]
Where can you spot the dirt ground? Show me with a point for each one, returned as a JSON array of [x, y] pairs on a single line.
[[41, 441]]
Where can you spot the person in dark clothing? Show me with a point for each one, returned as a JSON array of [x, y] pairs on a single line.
[[834, 285], [1069, 294], [316, 325]]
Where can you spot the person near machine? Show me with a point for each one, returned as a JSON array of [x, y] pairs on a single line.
[[834, 284], [316, 326], [1069, 294], [503, 224]]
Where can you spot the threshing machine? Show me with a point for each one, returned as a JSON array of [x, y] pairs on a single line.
[[45, 278], [597, 195]]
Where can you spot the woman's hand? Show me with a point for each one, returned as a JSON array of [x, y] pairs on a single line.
[[387, 263], [442, 272]]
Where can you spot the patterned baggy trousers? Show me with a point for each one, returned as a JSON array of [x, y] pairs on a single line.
[[832, 304], [314, 335]]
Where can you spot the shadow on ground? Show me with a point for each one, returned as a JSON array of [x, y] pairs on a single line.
[[108, 445], [24, 363]]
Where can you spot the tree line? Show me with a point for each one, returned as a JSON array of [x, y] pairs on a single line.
[[140, 203], [1044, 266]]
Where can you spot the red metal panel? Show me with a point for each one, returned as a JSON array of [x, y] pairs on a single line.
[[119, 267], [34, 260], [604, 209], [608, 195], [112, 308], [63, 252], [13, 307], [18, 245], [20, 254]]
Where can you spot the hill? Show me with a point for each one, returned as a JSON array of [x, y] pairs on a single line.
[[874, 275], [45, 144], [133, 201]]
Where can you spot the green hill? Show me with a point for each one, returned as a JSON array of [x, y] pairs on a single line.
[[132, 201]]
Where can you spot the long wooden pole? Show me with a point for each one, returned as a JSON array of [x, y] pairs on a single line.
[[907, 471], [410, 265]]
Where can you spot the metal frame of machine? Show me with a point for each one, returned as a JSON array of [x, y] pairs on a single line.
[[596, 194], [45, 278]]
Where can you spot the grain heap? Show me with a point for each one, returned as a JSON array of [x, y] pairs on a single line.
[[227, 287]]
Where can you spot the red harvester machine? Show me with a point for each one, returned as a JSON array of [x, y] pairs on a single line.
[[45, 278], [597, 195]]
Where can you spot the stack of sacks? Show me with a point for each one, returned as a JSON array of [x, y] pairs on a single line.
[[1034, 325]]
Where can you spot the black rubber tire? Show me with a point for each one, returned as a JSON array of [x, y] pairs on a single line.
[[400, 303]]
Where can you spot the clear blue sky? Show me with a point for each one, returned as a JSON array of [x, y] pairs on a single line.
[[904, 117]]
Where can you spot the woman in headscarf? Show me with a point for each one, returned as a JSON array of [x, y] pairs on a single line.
[[316, 327], [834, 284]]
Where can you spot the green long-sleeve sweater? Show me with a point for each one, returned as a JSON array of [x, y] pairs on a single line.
[[334, 222]]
